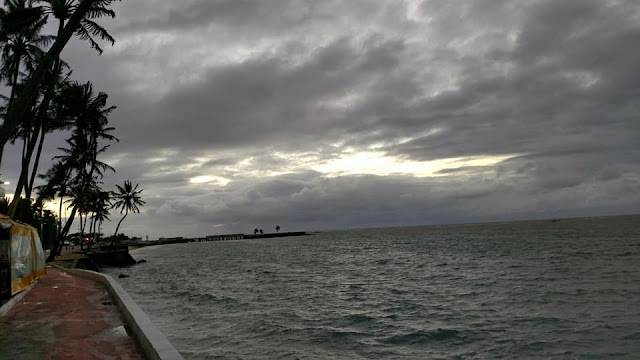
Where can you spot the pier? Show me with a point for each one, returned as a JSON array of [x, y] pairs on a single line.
[[224, 237]]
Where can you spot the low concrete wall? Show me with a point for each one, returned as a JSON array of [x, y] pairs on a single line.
[[152, 342]]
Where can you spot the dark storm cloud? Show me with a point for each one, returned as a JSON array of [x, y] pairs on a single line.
[[235, 88], [263, 100], [570, 86]]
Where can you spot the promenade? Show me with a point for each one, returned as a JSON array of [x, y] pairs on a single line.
[[65, 317]]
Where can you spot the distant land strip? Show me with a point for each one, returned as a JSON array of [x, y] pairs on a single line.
[[180, 240]]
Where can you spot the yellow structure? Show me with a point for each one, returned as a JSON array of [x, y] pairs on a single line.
[[21, 249]]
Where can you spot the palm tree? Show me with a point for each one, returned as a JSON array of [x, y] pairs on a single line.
[[21, 45], [89, 115], [127, 199], [100, 207], [78, 20], [47, 121], [64, 9], [21, 40]]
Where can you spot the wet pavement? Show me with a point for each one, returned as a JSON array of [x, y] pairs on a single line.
[[65, 317]]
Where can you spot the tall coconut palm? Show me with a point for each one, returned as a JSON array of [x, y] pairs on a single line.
[[100, 207], [88, 112], [82, 10], [21, 44], [21, 40], [126, 199], [62, 10], [47, 121]]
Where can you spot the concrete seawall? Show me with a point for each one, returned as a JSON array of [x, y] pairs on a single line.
[[152, 342]]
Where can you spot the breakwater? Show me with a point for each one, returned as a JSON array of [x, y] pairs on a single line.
[[224, 237]]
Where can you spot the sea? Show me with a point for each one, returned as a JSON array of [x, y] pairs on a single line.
[[548, 289]]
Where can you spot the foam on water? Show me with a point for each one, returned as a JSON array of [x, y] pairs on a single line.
[[537, 289]]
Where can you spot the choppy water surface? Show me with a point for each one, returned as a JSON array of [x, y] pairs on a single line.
[[539, 289]]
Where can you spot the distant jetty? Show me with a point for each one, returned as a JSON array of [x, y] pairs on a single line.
[[274, 235], [225, 237]]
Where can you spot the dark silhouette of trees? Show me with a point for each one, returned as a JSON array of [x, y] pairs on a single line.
[[42, 100], [79, 168], [126, 199], [76, 22]]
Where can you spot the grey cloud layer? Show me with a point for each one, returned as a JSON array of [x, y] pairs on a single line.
[[553, 82]]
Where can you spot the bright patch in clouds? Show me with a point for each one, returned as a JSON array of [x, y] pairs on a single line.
[[376, 163], [209, 179]]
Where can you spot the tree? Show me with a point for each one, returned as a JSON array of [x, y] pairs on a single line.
[[87, 29], [100, 204], [33, 132], [277, 228], [80, 12], [22, 43], [127, 199], [79, 162]]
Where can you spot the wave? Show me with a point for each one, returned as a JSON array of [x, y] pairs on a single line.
[[426, 337]]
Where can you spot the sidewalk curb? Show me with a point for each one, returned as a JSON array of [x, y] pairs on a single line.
[[152, 342]]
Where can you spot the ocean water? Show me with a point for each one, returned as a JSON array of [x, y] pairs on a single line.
[[535, 290]]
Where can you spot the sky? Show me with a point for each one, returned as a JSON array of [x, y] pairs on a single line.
[[242, 114]]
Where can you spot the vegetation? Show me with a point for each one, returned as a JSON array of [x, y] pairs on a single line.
[[42, 99], [127, 199]]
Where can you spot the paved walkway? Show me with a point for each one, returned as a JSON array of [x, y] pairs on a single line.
[[65, 317]]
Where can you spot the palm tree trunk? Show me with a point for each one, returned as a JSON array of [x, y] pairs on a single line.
[[60, 215], [28, 146], [28, 95], [14, 77], [81, 226], [11, 100], [41, 118], [1, 153], [92, 228], [62, 234], [27, 151], [36, 162], [118, 227], [113, 239]]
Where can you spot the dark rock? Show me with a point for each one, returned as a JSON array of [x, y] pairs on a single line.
[[118, 258], [142, 261], [86, 264], [122, 276]]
